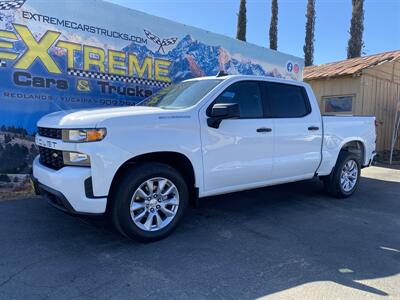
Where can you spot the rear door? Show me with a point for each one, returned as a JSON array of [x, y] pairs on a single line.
[[298, 132]]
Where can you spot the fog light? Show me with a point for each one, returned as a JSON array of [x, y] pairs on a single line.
[[76, 159]]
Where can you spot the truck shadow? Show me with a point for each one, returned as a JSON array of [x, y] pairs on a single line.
[[247, 245], [317, 238]]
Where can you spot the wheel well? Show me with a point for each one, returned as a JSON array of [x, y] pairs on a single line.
[[356, 147], [175, 160]]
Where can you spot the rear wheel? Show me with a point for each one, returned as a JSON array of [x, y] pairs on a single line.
[[344, 179], [149, 202]]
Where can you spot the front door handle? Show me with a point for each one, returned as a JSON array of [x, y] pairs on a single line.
[[264, 129], [312, 128]]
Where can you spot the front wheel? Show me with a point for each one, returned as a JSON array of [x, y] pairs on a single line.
[[149, 202], [345, 176]]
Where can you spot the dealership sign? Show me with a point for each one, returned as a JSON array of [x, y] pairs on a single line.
[[59, 55]]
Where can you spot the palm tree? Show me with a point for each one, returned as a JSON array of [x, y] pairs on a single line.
[[242, 21], [356, 43], [309, 40], [273, 27]]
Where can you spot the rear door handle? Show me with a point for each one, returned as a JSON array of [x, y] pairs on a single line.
[[311, 128], [264, 129]]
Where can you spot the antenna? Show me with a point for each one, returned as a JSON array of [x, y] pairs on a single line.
[[222, 73]]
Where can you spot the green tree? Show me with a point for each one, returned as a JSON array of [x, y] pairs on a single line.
[[356, 43], [309, 40], [273, 26], [242, 21]]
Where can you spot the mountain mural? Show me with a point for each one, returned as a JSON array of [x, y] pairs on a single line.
[[192, 58]]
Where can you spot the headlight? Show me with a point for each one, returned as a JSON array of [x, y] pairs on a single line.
[[76, 159], [83, 135]]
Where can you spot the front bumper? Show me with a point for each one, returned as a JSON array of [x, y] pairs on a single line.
[[65, 189]]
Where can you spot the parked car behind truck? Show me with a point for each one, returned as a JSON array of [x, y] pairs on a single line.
[[201, 137]]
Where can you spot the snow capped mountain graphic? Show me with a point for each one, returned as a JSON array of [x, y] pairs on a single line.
[[192, 58]]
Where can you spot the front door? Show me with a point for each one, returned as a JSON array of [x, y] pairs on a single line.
[[238, 154]]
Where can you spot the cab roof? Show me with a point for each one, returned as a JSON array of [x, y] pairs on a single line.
[[239, 77]]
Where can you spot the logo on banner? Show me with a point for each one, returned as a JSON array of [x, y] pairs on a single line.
[[291, 67], [160, 42], [296, 68], [101, 68], [11, 4]]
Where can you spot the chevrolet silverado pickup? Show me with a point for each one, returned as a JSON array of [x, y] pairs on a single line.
[[143, 165]]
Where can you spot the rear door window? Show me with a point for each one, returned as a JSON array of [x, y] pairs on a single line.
[[286, 100]]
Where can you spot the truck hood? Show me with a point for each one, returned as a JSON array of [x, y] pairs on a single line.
[[91, 117]]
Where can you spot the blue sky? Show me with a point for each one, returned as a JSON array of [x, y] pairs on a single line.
[[381, 33]]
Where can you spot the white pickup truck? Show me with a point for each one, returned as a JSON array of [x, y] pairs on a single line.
[[143, 165]]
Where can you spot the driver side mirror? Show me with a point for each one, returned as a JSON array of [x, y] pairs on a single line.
[[222, 111]]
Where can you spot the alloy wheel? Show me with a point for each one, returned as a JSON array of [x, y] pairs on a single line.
[[349, 175], [154, 204]]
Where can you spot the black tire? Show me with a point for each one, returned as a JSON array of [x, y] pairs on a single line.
[[332, 182], [131, 181]]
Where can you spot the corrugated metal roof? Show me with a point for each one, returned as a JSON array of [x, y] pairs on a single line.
[[349, 66]]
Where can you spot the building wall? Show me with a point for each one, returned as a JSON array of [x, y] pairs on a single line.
[[380, 90], [343, 86], [376, 92], [388, 71]]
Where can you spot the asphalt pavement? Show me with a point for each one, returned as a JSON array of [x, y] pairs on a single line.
[[285, 242]]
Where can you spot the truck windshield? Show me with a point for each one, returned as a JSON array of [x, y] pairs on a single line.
[[181, 95]]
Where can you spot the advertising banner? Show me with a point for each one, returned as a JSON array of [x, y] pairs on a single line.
[[61, 55]]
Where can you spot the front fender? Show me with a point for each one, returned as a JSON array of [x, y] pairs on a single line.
[[125, 143]]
